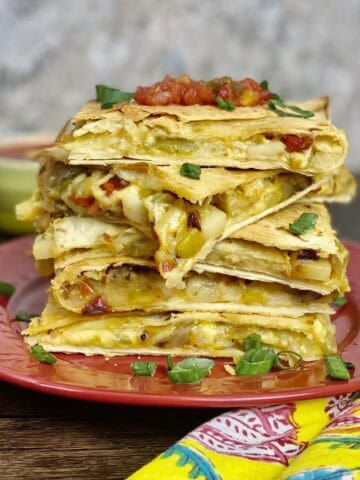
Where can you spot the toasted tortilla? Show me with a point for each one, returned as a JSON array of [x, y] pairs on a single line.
[[93, 111], [273, 230], [245, 138], [185, 334]]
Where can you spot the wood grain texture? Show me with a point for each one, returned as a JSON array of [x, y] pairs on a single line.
[[45, 437]]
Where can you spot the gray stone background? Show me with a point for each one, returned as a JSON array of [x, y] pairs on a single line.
[[53, 52]]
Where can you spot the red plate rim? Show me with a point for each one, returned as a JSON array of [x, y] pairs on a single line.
[[10, 374]]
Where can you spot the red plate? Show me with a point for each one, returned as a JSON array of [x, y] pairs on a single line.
[[93, 378]]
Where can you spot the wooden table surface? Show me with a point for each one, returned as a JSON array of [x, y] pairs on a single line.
[[44, 437]]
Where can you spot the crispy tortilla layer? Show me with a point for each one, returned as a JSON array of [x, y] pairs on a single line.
[[248, 137], [187, 334]]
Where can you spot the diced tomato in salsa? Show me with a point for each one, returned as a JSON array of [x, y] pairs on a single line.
[[296, 143], [186, 91], [114, 183]]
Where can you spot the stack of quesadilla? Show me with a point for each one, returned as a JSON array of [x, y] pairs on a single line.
[[179, 229]]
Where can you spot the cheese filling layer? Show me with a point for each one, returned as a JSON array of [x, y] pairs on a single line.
[[206, 333], [110, 288], [233, 142], [186, 231], [304, 267]]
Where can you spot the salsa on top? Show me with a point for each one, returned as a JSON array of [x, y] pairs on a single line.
[[186, 91]]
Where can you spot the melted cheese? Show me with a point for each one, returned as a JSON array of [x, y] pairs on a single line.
[[140, 204], [206, 333], [135, 287], [242, 143]]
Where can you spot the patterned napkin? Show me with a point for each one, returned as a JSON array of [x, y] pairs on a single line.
[[306, 440]]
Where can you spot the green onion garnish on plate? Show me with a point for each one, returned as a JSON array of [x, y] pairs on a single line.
[[256, 362], [190, 370], [40, 354], [7, 289], [143, 369], [336, 367]]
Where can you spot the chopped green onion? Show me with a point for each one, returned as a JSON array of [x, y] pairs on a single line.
[[190, 370], [336, 367], [277, 102], [275, 96], [169, 362], [23, 316], [186, 375], [38, 352], [6, 289], [288, 359], [252, 341], [190, 170], [143, 369], [304, 223], [225, 104], [256, 362], [203, 364], [340, 300], [109, 95]]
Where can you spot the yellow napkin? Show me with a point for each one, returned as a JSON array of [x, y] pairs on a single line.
[[306, 440]]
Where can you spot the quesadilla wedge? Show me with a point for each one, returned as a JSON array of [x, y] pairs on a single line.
[[185, 215], [118, 284], [185, 334], [245, 138], [265, 251], [268, 251]]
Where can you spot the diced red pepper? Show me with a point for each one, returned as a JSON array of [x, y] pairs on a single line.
[[296, 143], [89, 203], [84, 202], [114, 183]]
